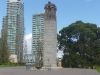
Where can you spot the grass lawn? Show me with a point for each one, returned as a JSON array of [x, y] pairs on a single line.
[[98, 70]]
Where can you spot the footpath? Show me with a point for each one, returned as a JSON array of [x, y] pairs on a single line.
[[62, 71]]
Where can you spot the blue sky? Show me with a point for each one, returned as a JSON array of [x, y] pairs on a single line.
[[68, 11]]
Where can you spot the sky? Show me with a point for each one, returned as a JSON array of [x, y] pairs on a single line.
[[68, 11]]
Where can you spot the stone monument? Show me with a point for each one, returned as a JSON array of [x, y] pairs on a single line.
[[50, 35]]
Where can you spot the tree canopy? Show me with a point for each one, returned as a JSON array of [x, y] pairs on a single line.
[[4, 51], [81, 44]]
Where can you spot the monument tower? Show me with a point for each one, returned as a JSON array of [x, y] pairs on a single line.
[[50, 35]]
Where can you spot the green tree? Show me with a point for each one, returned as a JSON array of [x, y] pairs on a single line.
[[39, 53], [81, 44], [4, 50]]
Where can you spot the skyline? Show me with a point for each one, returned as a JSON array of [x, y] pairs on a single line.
[[68, 11]]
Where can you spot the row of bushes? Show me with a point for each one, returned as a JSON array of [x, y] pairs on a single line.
[[96, 67]]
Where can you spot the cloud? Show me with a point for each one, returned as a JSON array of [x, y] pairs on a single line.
[[60, 54], [28, 39], [29, 36]]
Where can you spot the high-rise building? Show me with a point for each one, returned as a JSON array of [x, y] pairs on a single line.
[[37, 34], [50, 35], [13, 26], [37, 30]]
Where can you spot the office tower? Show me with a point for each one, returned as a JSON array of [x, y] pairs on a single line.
[[13, 26], [50, 35], [37, 36]]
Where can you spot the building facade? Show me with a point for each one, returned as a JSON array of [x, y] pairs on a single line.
[[37, 30], [38, 38], [29, 59], [13, 26]]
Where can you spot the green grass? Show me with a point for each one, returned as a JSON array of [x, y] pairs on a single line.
[[3, 66], [11, 65], [98, 70]]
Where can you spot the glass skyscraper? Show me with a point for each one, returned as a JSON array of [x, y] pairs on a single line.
[[13, 25], [37, 30]]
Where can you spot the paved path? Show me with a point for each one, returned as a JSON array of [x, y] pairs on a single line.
[[65, 71]]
